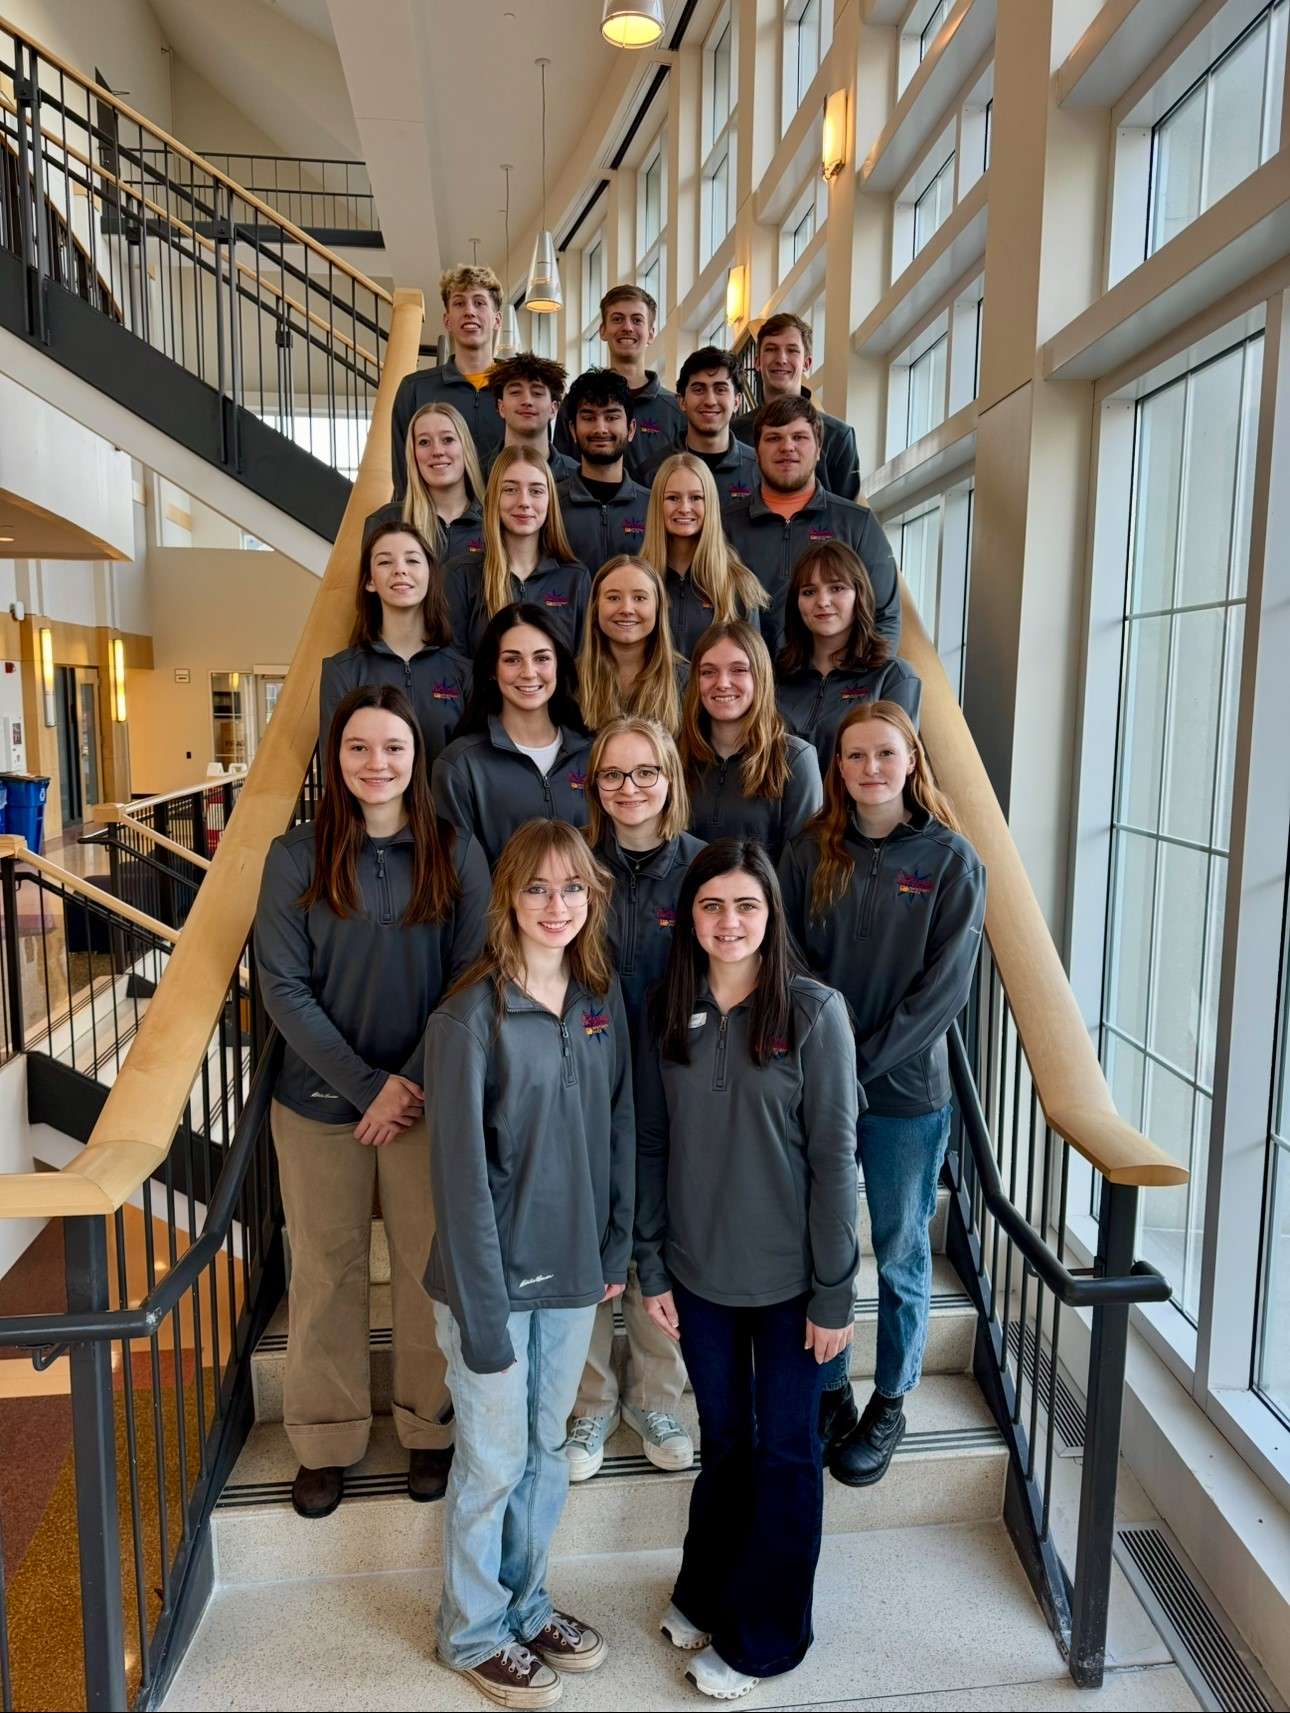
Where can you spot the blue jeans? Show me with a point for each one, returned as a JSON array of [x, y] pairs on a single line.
[[757, 1508], [508, 1483], [901, 1160]]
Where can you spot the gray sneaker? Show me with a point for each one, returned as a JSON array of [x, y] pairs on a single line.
[[585, 1446], [665, 1441]]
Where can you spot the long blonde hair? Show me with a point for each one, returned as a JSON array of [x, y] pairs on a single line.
[[552, 540], [836, 865], [717, 571], [502, 959], [654, 695], [765, 768], [418, 502], [676, 811]]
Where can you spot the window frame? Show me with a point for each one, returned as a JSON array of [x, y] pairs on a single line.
[[718, 136], [652, 252], [590, 296]]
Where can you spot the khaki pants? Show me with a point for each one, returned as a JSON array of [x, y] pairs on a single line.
[[327, 1183], [655, 1373]]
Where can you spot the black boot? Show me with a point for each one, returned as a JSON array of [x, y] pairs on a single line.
[[838, 1416], [863, 1456], [428, 1474], [317, 1492]]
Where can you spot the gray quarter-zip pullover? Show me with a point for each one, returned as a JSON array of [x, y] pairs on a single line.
[[486, 786], [435, 680], [746, 1175], [599, 532], [720, 810], [644, 912], [443, 384], [771, 546], [562, 591], [690, 613], [736, 472], [901, 945], [351, 995], [814, 706], [839, 467], [465, 534], [532, 1158]]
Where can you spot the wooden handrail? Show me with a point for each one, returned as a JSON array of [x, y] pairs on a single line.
[[110, 100], [1068, 1078], [115, 815], [14, 845], [146, 1103]]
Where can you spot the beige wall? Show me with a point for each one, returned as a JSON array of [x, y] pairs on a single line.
[[121, 37], [213, 610]]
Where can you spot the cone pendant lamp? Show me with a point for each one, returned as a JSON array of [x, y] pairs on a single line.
[[632, 23], [544, 294]]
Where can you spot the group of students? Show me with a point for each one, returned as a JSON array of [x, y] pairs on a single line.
[[631, 919]]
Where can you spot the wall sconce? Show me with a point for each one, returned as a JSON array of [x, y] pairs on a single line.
[[118, 680], [737, 295], [833, 146], [47, 674]]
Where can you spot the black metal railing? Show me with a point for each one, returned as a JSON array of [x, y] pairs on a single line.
[[96, 200], [332, 199], [149, 875], [1010, 1177]]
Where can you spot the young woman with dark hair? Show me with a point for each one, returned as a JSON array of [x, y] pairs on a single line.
[[637, 812], [707, 582], [627, 664], [527, 556], [748, 777], [400, 637], [520, 753], [365, 916], [532, 1162], [746, 1251], [887, 899], [833, 657]]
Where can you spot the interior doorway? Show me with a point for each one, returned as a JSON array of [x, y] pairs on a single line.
[[76, 702]]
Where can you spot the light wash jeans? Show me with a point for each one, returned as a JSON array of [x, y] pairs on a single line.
[[508, 1483], [901, 1161]]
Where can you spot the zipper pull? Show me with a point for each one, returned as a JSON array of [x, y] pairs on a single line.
[[725, 1018]]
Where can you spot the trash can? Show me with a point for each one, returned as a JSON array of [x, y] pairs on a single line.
[[25, 807], [4, 793]]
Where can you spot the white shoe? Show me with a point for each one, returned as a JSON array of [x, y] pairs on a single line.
[[710, 1674], [585, 1446], [681, 1632], [665, 1441]]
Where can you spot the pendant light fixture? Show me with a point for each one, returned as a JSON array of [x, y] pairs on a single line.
[[632, 23], [508, 340], [544, 295]]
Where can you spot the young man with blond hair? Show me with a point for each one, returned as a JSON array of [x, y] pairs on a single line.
[[472, 315], [783, 359], [628, 320]]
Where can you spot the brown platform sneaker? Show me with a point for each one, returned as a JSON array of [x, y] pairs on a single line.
[[514, 1677], [569, 1644], [317, 1492]]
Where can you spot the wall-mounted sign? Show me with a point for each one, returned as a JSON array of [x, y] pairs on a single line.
[[183, 675]]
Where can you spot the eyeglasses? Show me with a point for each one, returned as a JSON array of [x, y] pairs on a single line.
[[614, 778], [573, 892]]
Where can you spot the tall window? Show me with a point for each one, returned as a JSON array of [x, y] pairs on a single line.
[[933, 206], [927, 35], [593, 289], [1220, 130], [651, 205], [719, 113], [1181, 650], [925, 407], [805, 42], [803, 221], [933, 546]]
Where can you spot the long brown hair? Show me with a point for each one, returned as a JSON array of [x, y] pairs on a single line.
[[765, 768], [368, 615], [836, 865], [418, 501], [676, 811], [654, 695], [863, 647], [502, 959], [717, 571], [340, 831], [495, 573], [771, 1026]]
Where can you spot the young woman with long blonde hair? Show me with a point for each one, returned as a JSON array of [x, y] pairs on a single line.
[[532, 1166], [748, 776], [444, 498], [886, 897], [627, 663], [707, 582], [526, 557]]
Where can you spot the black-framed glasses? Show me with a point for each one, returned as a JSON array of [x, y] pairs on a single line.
[[614, 778]]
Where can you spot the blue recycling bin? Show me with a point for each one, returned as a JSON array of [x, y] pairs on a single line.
[[25, 807], [4, 795]]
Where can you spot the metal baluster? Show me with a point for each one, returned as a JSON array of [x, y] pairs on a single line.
[[131, 1441], [12, 955], [158, 1414], [177, 1333]]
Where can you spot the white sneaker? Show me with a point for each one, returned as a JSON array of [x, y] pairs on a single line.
[[665, 1441], [710, 1674], [681, 1632], [585, 1446]]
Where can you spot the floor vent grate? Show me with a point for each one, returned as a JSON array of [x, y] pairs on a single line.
[[1220, 1669], [1068, 1412]]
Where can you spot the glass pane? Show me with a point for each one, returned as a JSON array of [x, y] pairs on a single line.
[[1177, 159], [721, 80], [1142, 736], [1214, 918], [1158, 483], [1126, 1071], [1227, 732], [808, 46], [1196, 1193], [652, 281], [1191, 748], [653, 202], [933, 24], [919, 542], [1213, 443], [1236, 114], [1274, 1344], [1178, 956], [1170, 1116], [926, 391], [1133, 885], [933, 206], [1245, 477]]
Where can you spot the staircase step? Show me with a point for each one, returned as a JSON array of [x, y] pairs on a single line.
[[950, 1468], [951, 1330]]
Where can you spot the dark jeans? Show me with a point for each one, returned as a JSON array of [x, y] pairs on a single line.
[[757, 1510]]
